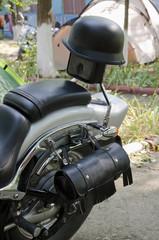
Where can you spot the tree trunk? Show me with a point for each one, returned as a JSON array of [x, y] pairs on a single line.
[[45, 64], [126, 22], [20, 22], [17, 21]]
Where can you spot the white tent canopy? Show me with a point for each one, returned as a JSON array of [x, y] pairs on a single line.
[[143, 28]]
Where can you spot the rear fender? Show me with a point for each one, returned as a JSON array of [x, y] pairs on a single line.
[[57, 120], [118, 111], [94, 112]]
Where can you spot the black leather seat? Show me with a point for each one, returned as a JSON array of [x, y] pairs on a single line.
[[13, 129], [35, 100]]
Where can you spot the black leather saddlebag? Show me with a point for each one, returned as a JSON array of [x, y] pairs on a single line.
[[95, 173]]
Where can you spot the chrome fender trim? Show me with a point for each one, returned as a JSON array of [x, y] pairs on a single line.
[[71, 115]]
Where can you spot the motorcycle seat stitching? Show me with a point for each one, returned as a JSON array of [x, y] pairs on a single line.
[[31, 98], [37, 99]]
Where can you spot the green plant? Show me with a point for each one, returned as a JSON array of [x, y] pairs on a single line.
[[29, 61], [145, 75], [27, 67], [64, 74], [142, 120]]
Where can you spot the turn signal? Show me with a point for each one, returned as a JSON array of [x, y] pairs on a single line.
[[110, 131]]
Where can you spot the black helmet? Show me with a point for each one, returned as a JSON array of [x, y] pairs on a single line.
[[96, 39]]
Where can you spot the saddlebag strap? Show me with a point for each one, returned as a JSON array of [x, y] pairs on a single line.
[[127, 177], [121, 162]]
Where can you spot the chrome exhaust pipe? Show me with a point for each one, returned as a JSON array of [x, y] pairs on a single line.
[[94, 173]]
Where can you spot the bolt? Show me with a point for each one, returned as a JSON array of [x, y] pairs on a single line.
[[64, 220], [16, 195], [45, 233], [49, 205]]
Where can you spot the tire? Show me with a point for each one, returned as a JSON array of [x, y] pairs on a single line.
[[65, 232], [68, 228]]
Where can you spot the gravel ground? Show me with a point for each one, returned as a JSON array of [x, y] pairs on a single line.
[[130, 214], [8, 48]]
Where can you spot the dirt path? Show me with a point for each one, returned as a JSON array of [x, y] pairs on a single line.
[[8, 49], [131, 214]]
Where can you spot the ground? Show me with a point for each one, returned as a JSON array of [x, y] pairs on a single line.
[[8, 48], [132, 213]]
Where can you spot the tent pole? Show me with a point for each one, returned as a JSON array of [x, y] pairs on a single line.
[[126, 22]]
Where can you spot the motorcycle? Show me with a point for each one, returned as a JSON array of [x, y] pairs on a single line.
[[26, 39], [60, 152]]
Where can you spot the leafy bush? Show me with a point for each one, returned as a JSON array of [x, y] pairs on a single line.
[[142, 120], [146, 75], [25, 68]]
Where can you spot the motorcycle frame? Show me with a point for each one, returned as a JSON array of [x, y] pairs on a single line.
[[95, 112]]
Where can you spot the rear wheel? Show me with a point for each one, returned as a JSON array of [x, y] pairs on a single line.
[[58, 220]]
